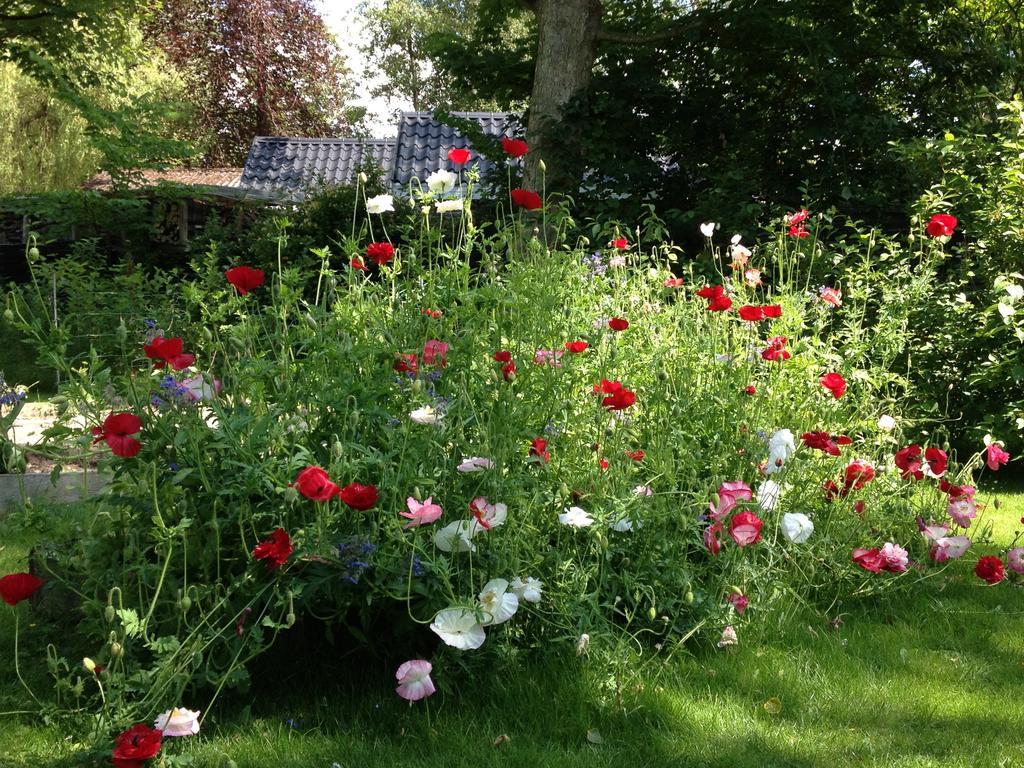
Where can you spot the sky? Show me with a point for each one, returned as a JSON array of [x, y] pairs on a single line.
[[343, 19]]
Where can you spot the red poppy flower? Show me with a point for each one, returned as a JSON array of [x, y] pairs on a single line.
[[380, 253], [751, 314], [834, 383], [359, 497], [797, 230], [576, 346], [502, 356], [858, 507], [16, 587], [673, 282], [637, 455], [937, 460], [315, 484], [618, 324], [138, 743], [406, 363], [356, 263], [823, 441], [772, 310], [432, 313], [908, 461], [831, 490], [620, 243], [524, 198], [245, 279], [508, 370], [603, 464], [799, 216], [716, 298], [117, 430], [514, 147], [276, 549], [168, 352], [869, 559], [617, 398], [776, 352], [539, 448], [459, 156], [941, 225], [858, 474], [750, 389], [990, 569]]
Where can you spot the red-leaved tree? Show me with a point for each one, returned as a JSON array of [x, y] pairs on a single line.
[[254, 68]]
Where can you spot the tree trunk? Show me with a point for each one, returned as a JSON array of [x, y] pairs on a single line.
[[566, 51]]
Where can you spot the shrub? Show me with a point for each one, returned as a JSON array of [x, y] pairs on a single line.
[[616, 456]]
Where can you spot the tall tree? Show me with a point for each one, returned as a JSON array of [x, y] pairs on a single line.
[[397, 58], [87, 54], [255, 67]]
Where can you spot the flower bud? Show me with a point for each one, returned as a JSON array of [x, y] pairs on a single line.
[[417, 386], [186, 603], [363, 177], [89, 664], [652, 614], [290, 619], [662, 375], [33, 253], [688, 597], [8, 315], [207, 334], [542, 166], [116, 650], [109, 614]]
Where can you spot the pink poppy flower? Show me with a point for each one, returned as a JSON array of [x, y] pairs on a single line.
[[1015, 559], [831, 296], [739, 601], [745, 528], [949, 548], [552, 357], [421, 513], [435, 353], [995, 456], [962, 511], [869, 559], [895, 556], [414, 681], [711, 541]]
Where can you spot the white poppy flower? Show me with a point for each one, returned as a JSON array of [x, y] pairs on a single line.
[[459, 628], [475, 464], [796, 527], [380, 204], [576, 517], [456, 537], [625, 525], [886, 422], [426, 415], [528, 590], [736, 239], [449, 206], [486, 515], [768, 495], [178, 722], [643, 490], [497, 602], [201, 388], [707, 229], [441, 181]]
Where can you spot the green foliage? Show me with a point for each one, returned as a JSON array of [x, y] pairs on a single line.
[[173, 604], [968, 331]]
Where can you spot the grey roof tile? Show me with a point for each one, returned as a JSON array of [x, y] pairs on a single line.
[[290, 166], [423, 143]]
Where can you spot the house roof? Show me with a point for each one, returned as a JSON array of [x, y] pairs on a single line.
[[423, 143], [213, 177], [290, 166]]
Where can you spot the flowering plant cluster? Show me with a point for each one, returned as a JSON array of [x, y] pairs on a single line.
[[534, 453]]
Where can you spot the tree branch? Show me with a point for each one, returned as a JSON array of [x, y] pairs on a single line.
[[606, 35]]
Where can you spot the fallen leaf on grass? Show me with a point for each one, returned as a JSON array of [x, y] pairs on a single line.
[[773, 706], [594, 736], [502, 739]]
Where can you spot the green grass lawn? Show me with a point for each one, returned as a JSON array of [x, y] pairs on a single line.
[[935, 680]]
